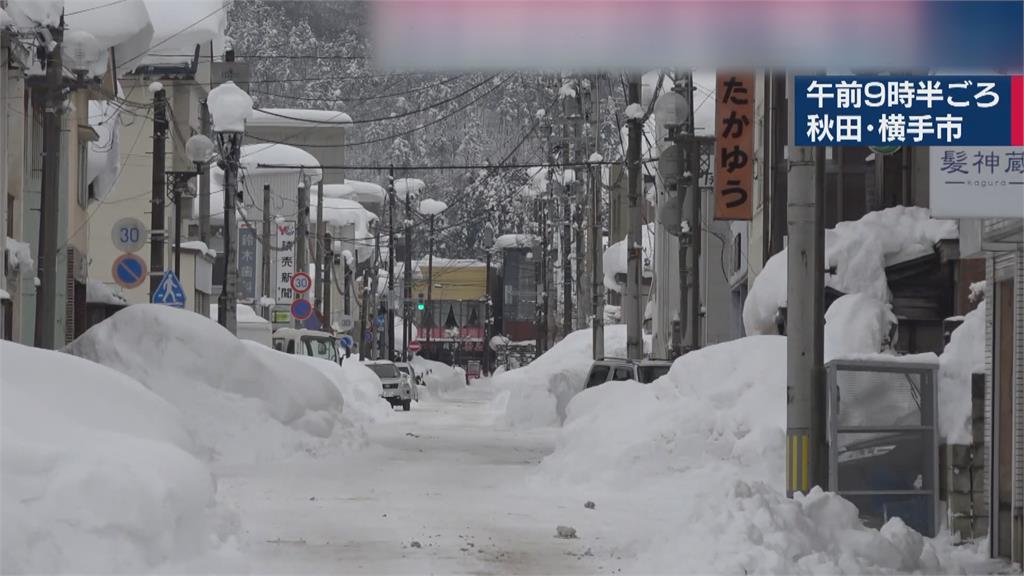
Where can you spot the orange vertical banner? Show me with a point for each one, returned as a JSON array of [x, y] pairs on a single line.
[[734, 146]]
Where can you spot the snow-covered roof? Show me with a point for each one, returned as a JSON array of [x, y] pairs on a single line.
[[515, 241], [4, 294], [34, 13], [253, 155], [431, 207], [410, 186], [344, 212], [299, 118], [125, 26], [362, 192], [178, 27], [243, 313], [199, 246]]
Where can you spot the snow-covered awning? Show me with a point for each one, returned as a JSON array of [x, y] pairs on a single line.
[[97, 292], [515, 241]]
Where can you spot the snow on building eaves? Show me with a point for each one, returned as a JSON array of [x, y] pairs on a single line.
[[178, 27], [298, 118]]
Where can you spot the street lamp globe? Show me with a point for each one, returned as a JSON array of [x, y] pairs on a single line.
[[672, 110], [199, 149], [83, 54], [230, 107]]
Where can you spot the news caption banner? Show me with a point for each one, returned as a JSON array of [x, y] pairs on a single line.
[[973, 126]]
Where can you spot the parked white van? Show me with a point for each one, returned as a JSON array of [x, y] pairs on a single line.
[[302, 342]]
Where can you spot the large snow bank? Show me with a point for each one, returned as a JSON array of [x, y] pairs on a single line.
[[241, 400], [96, 471], [439, 377], [963, 356], [859, 251], [537, 394], [857, 324], [707, 445], [615, 259]]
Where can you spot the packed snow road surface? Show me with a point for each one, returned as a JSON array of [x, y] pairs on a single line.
[[436, 490]]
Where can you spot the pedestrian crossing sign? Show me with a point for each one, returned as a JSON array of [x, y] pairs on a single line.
[[169, 291]]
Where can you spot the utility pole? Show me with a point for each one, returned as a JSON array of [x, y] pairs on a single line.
[[204, 179], [583, 297], [327, 265], [487, 316], [347, 307], [693, 167], [49, 208], [596, 231], [596, 264], [157, 219], [321, 286], [301, 233], [364, 309], [391, 266], [566, 238], [634, 245], [265, 261], [805, 415], [227, 308], [375, 283], [407, 278], [430, 283]]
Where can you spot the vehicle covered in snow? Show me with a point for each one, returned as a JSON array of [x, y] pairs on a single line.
[[303, 342], [618, 369], [398, 388]]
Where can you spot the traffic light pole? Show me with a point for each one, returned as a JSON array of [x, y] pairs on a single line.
[[430, 282]]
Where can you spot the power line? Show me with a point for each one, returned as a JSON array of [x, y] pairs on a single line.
[[84, 10], [390, 136], [567, 164], [383, 118], [357, 98]]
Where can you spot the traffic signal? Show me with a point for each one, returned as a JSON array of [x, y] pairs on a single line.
[[420, 305]]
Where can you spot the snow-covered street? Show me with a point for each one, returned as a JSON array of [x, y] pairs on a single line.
[[442, 476]]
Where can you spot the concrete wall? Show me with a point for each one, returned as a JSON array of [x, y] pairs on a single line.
[[131, 196]]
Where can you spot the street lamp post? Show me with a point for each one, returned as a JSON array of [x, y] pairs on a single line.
[[673, 110], [199, 150], [230, 107]]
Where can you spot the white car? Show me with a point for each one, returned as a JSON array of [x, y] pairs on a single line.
[[302, 342], [397, 387]]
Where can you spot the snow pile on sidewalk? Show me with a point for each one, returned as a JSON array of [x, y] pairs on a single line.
[[964, 355], [859, 251], [241, 400], [537, 394], [358, 385], [96, 471], [707, 445], [440, 377]]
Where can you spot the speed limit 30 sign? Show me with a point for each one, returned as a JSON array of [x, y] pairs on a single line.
[[301, 283]]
